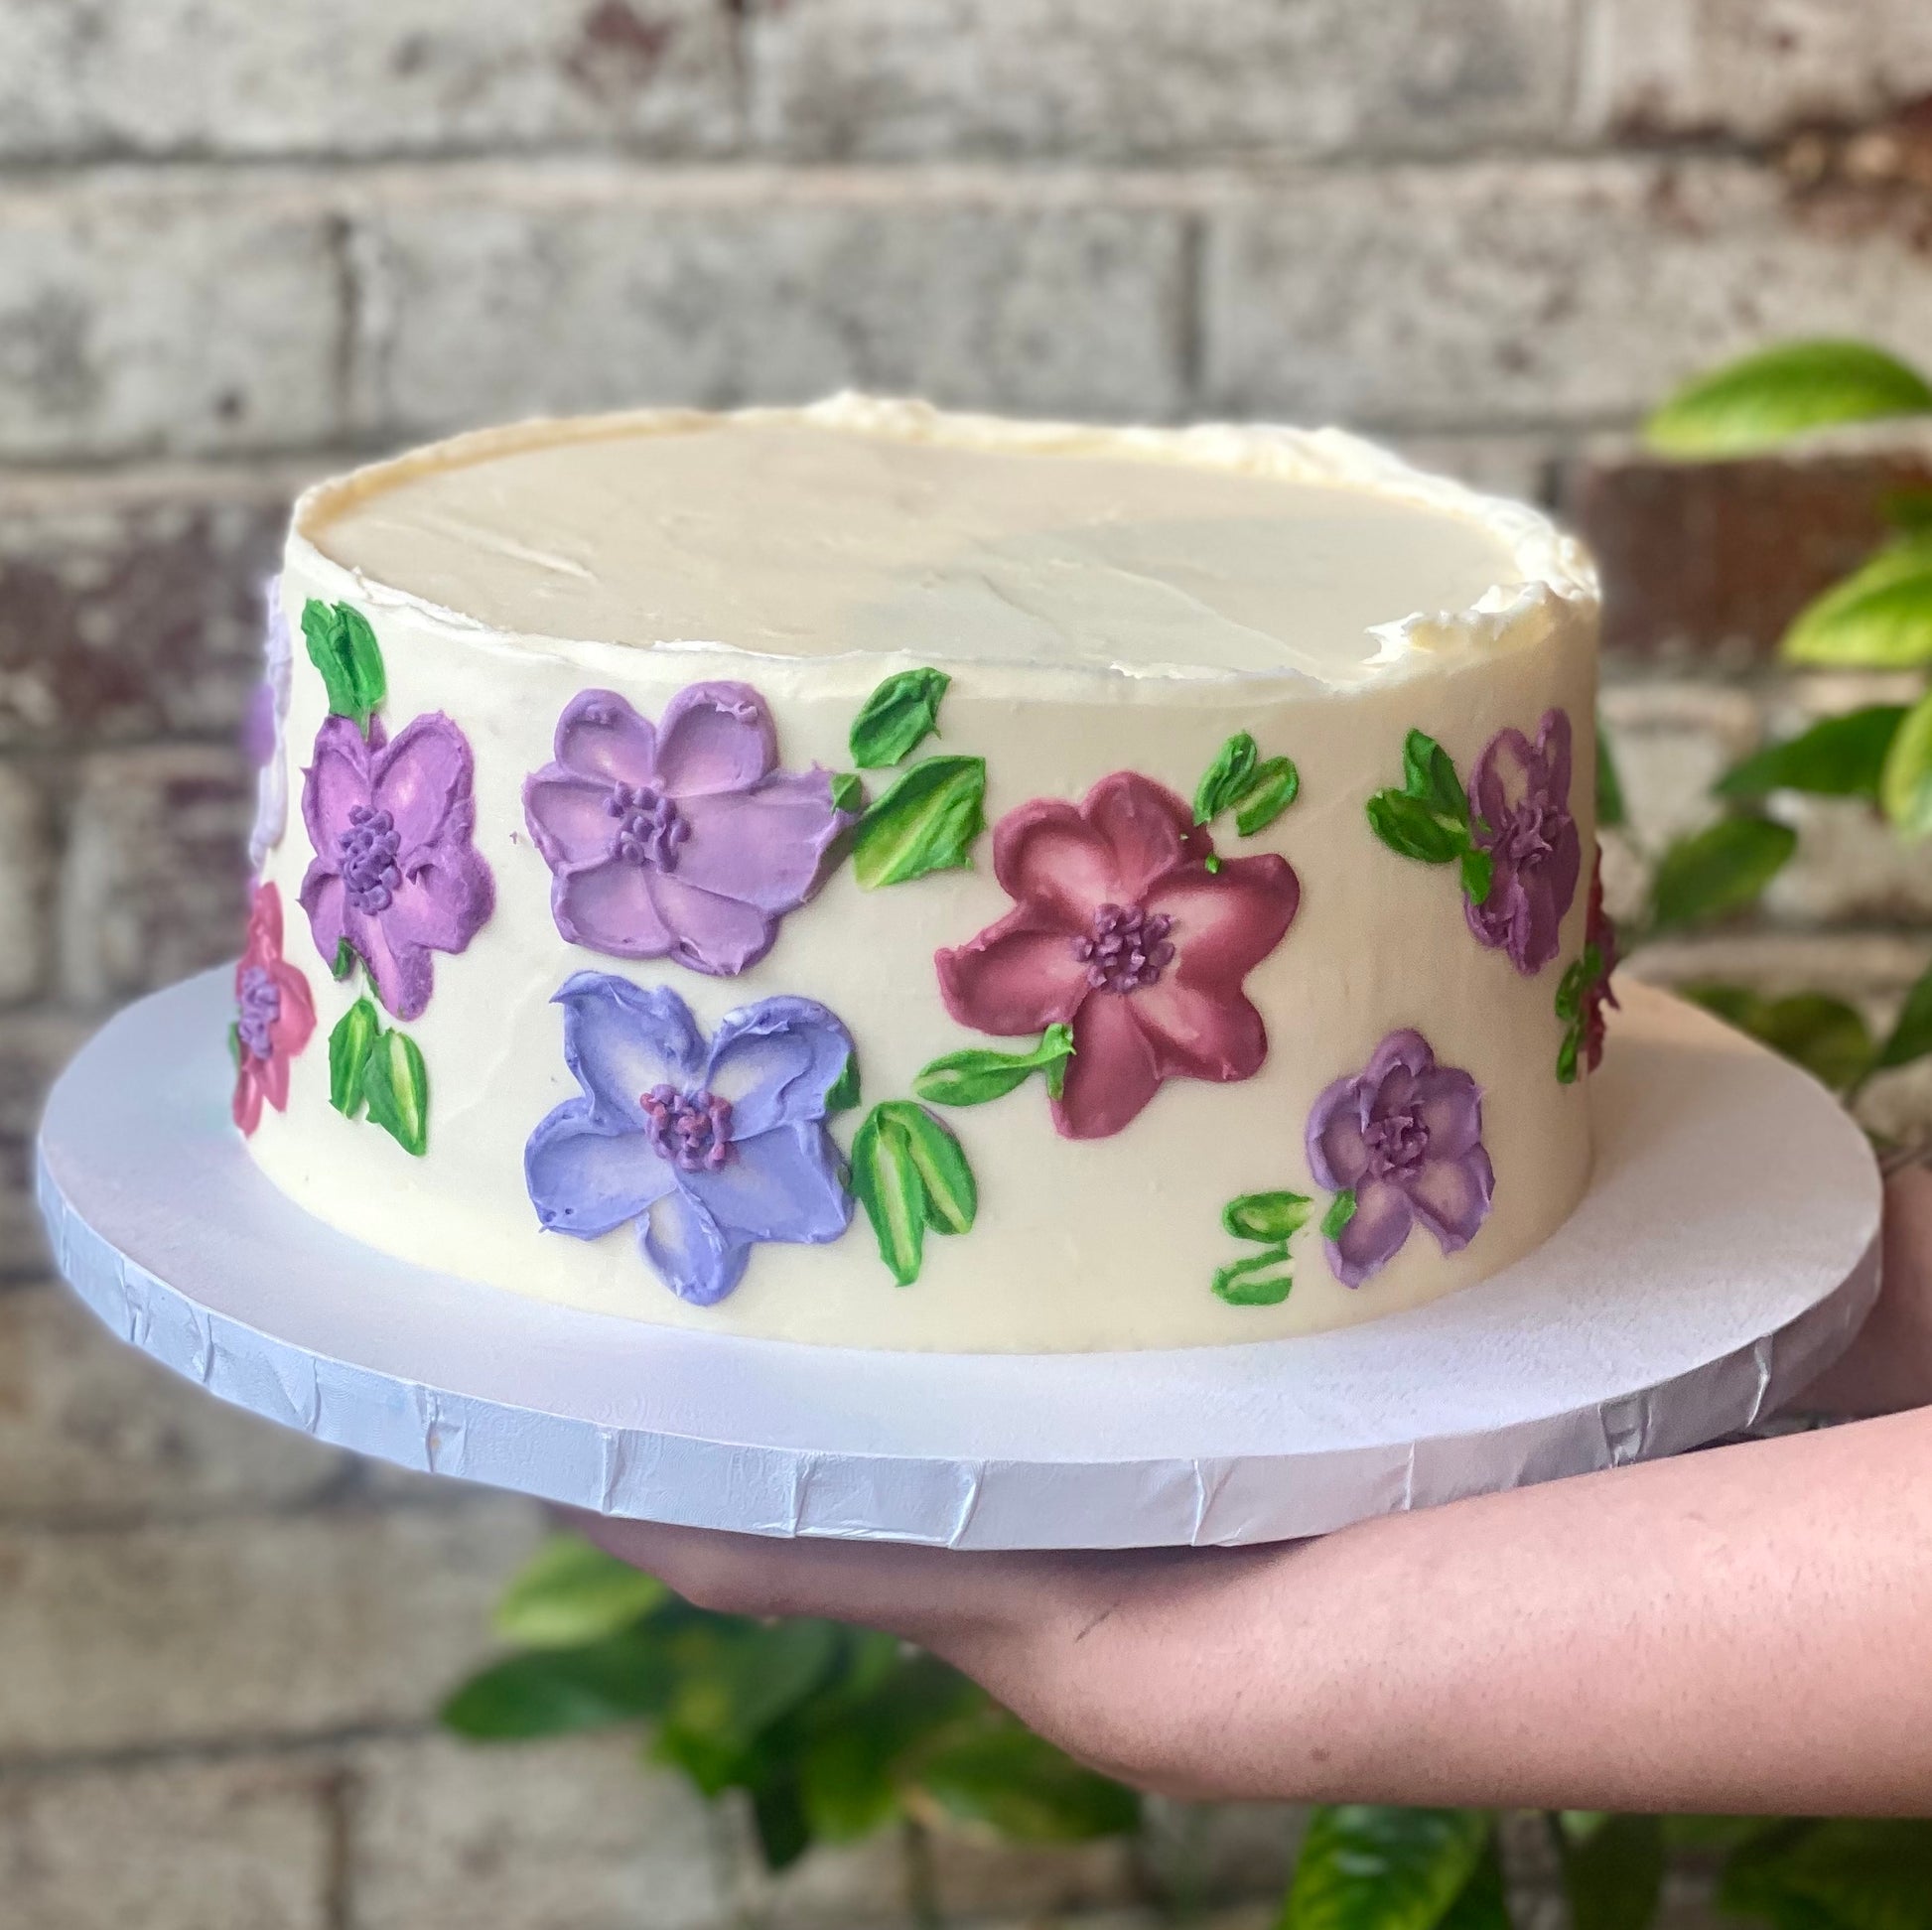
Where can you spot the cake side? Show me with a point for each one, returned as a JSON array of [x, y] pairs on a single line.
[[1317, 1075]]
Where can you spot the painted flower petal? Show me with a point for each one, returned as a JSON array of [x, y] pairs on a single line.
[[570, 817], [1452, 1197], [1226, 922], [402, 972], [445, 903], [620, 1040], [1375, 1234], [1405, 1050], [1553, 752], [776, 1061], [692, 1255], [1048, 856], [598, 735], [295, 1021], [780, 1185], [245, 1103], [715, 737], [610, 908], [714, 934], [1338, 1150], [1198, 1034], [1148, 829], [1111, 1074], [422, 780], [271, 810], [324, 898], [334, 784], [1015, 977], [264, 941], [1505, 775], [1448, 1103], [584, 1180], [765, 846]]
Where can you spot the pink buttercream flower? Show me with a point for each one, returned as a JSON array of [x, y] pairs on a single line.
[[396, 872], [1121, 930], [681, 839], [274, 1013]]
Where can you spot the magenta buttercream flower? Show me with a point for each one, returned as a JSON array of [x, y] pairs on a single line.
[[681, 839], [1121, 930], [1519, 805], [274, 1013], [396, 872], [1404, 1137]]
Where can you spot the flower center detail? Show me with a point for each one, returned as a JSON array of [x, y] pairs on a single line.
[[1397, 1144], [1125, 948], [691, 1129], [649, 829], [261, 1005], [368, 848], [1530, 836]]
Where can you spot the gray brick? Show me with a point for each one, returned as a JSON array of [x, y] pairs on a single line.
[[130, 604], [151, 884], [359, 76], [1139, 79], [161, 314], [241, 1627], [578, 1835], [25, 859], [1530, 293], [493, 294], [1655, 68], [34, 1045], [91, 1428], [234, 1845]]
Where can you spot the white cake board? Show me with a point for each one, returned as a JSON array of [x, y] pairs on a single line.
[[1727, 1251]]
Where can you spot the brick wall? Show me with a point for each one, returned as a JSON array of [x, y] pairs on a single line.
[[242, 243]]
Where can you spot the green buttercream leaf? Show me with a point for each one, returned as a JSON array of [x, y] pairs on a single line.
[[1263, 1278], [1267, 1216], [1429, 773], [1838, 757], [1721, 869], [1763, 399], [972, 1077], [887, 1183], [951, 1192], [1569, 1055], [1911, 1037], [1577, 978], [1609, 787], [342, 647], [348, 1056], [1273, 788], [844, 1095], [395, 1085], [1478, 874], [1906, 785], [344, 961], [927, 822], [1878, 618], [898, 718], [848, 792], [1341, 1210], [1411, 828], [1227, 777], [1373, 1869], [235, 1045]]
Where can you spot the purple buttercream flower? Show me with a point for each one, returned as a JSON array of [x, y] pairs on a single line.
[[396, 872], [262, 735], [1519, 805], [709, 1148], [680, 840], [1405, 1137]]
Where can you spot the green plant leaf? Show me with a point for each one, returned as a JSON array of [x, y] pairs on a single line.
[[736, 1679], [1341, 1210], [1905, 787], [1610, 810], [558, 1692], [887, 1183], [1371, 1869], [1613, 1869], [844, 1095], [395, 1083], [1411, 828], [1765, 398], [945, 1176], [1483, 1903], [973, 1077], [1838, 757], [342, 647], [1478, 874], [1909, 509], [927, 822], [1836, 1875], [1266, 1215], [1226, 778], [1274, 787], [898, 718], [1878, 618], [1911, 1035], [1007, 1779], [1429, 773], [571, 1592], [1259, 1280], [349, 1055], [1827, 1036], [1721, 869], [785, 1830], [848, 792]]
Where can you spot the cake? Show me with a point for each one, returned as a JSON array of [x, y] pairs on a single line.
[[866, 876]]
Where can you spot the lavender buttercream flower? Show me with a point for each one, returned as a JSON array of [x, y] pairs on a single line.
[[1404, 1136], [708, 1147], [262, 733], [396, 872], [681, 839], [1519, 805]]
